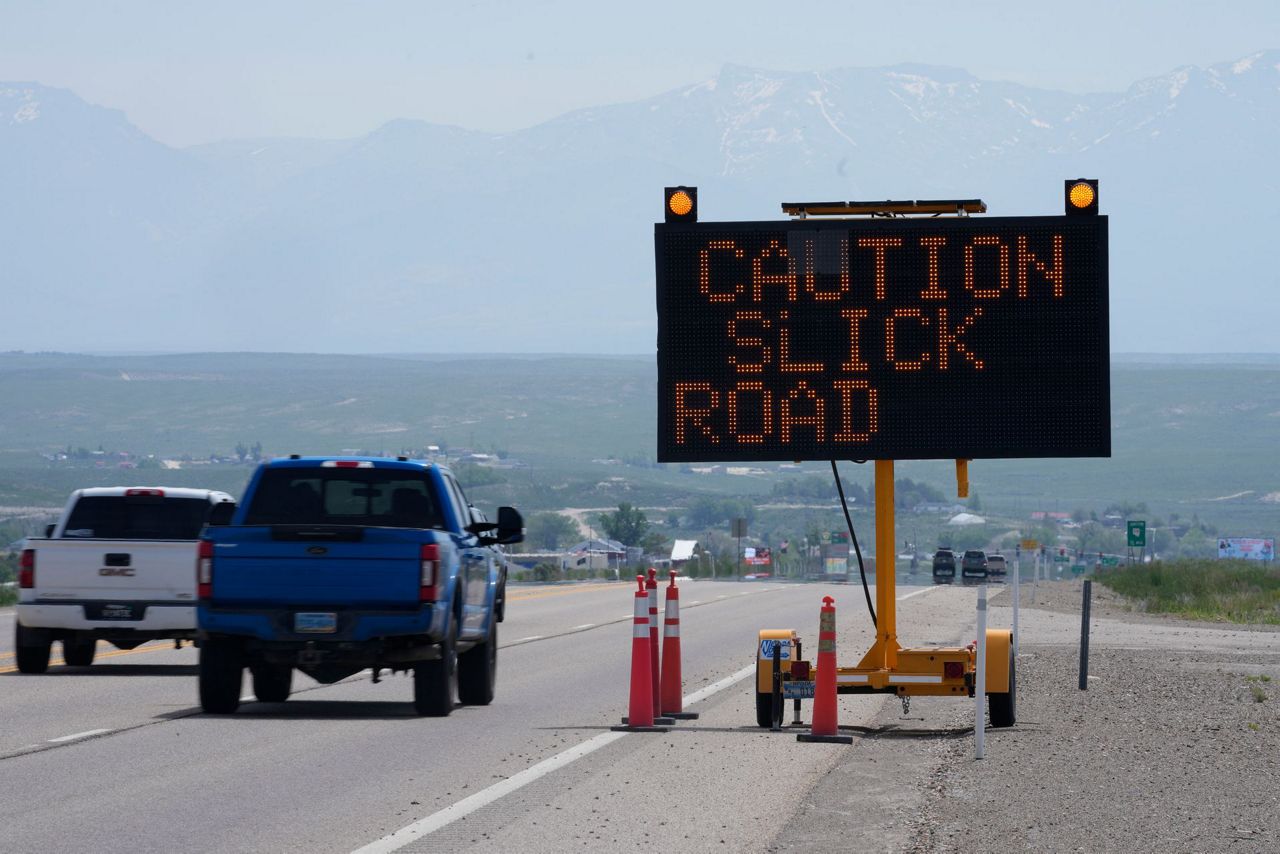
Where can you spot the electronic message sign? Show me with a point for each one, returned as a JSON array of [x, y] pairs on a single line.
[[883, 338]]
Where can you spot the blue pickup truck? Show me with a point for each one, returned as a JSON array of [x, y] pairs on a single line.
[[334, 565]]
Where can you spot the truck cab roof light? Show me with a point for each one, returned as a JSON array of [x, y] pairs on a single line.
[[154, 493], [347, 464]]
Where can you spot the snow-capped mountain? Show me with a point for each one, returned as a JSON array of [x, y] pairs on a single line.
[[425, 237]]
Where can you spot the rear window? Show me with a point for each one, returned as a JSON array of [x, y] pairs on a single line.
[[388, 498], [975, 555], [119, 517]]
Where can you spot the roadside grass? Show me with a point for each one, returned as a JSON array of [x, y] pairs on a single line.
[[1235, 591], [8, 596]]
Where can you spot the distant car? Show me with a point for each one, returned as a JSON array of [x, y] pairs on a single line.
[[944, 566], [997, 567], [973, 566]]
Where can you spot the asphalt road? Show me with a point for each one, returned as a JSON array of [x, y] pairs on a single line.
[[117, 757]]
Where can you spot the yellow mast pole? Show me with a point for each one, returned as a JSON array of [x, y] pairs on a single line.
[[886, 614]]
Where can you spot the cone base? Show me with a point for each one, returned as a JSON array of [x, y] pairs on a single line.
[[825, 739], [625, 728], [658, 720], [681, 716]]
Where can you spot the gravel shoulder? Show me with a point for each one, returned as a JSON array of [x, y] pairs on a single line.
[[1172, 748]]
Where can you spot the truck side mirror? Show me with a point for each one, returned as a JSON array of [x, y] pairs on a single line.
[[221, 513], [510, 525]]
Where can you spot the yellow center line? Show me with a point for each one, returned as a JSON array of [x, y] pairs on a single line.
[[113, 654], [561, 591]]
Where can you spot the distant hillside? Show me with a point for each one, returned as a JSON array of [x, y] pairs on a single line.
[[425, 237], [1194, 438]]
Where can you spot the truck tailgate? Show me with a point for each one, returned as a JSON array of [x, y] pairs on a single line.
[[381, 570], [154, 570]]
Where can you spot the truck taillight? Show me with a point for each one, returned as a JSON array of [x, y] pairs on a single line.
[[27, 569], [204, 570], [430, 573], [144, 493]]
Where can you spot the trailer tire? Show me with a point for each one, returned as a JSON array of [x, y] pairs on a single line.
[[435, 683], [78, 650], [221, 674], [764, 710], [478, 670], [271, 682], [1003, 707], [31, 648]]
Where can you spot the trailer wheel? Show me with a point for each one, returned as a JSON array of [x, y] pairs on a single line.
[[31, 647], [221, 673], [271, 682], [78, 650], [435, 683], [478, 670], [764, 710], [1002, 707]]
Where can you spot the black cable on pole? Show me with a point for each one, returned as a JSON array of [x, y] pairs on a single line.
[[862, 570]]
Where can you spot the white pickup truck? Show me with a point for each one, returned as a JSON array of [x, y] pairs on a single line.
[[119, 566]]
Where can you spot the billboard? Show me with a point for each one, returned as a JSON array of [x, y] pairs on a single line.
[[884, 338], [1247, 548]]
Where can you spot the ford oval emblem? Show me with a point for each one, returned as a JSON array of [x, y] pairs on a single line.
[[317, 550]]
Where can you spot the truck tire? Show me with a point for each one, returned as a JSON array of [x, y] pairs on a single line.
[[1003, 707], [221, 672], [271, 682], [435, 683], [78, 650], [478, 670], [31, 648]]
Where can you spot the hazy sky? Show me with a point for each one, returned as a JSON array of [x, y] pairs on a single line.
[[189, 73]]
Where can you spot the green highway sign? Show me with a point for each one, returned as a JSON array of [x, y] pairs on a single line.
[[1137, 534]]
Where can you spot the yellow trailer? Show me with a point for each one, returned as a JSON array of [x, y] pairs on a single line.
[[888, 668]]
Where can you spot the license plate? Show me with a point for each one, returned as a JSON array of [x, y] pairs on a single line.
[[798, 690], [114, 611], [315, 622]]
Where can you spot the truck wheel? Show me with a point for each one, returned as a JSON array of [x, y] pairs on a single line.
[[478, 670], [78, 650], [221, 672], [31, 648], [764, 710], [271, 682], [1002, 707], [435, 683]]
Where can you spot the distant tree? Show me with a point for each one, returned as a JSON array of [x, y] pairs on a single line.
[[242, 451], [627, 524], [655, 543], [1079, 515], [470, 475], [551, 531], [256, 451]]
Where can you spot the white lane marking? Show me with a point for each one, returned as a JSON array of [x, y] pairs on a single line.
[[914, 593], [529, 638], [585, 626], [484, 797], [694, 602], [85, 734]]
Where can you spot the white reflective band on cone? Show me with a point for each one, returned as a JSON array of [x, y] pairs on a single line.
[[640, 629], [671, 630], [673, 609]]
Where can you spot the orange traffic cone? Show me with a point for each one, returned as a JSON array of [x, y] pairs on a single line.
[[824, 691], [672, 684], [651, 585], [640, 717]]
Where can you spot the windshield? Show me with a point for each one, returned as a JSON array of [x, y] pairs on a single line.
[[120, 517], [390, 498]]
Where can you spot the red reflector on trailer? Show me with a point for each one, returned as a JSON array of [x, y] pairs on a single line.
[[800, 670], [346, 464], [953, 669]]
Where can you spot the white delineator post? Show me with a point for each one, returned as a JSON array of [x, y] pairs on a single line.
[[980, 677], [1017, 572]]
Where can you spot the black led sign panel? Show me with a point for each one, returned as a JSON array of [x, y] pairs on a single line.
[[883, 339]]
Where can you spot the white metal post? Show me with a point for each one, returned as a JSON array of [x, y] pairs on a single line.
[[980, 680], [1017, 572]]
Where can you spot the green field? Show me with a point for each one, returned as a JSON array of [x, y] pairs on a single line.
[[1237, 591], [1194, 439]]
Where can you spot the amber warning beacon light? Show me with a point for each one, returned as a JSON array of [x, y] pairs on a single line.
[[681, 204], [1081, 197]]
